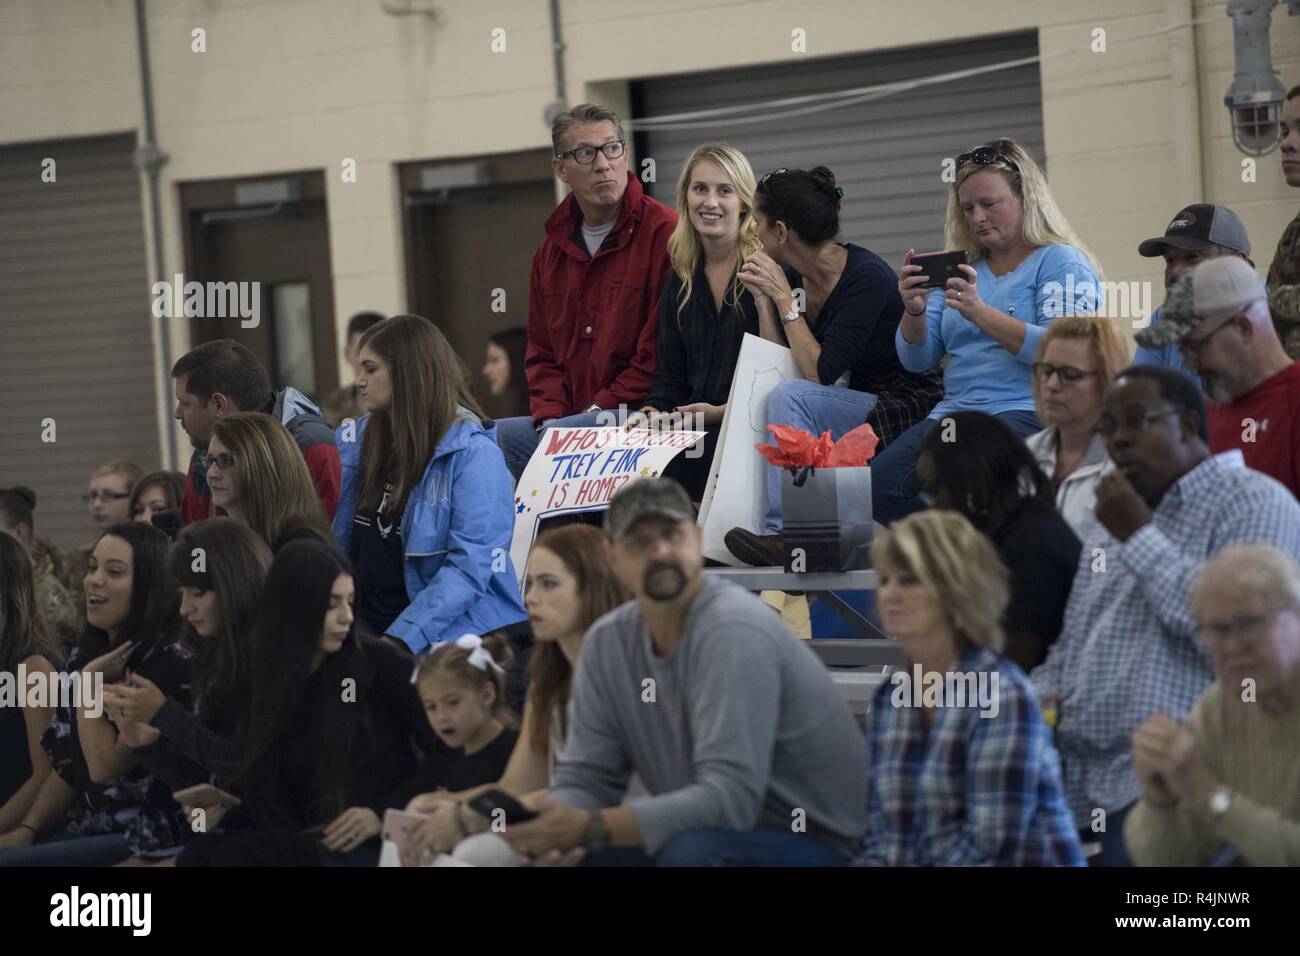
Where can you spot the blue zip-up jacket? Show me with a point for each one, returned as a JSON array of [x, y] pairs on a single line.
[[456, 531]]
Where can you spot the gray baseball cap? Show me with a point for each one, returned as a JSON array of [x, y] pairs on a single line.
[[1197, 226], [1213, 289], [646, 497]]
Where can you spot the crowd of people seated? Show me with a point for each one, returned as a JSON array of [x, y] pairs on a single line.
[[1089, 562]]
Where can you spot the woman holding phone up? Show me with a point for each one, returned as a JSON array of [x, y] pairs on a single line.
[[1027, 268]]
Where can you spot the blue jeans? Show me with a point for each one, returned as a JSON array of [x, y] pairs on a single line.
[[759, 847], [519, 437], [69, 849], [895, 492], [814, 408]]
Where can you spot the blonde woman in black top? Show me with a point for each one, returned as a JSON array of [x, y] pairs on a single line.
[[705, 311]]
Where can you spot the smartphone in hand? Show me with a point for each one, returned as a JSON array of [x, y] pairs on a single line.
[[939, 267], [486, 804]]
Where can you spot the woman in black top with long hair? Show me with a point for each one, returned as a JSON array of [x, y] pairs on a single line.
[[220, 565], [837, 307], [100, 805], [705, 311], [330, 723], [985, 471]]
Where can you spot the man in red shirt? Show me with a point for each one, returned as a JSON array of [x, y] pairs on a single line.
[[593, 300], [1219, 315], [221, 377]]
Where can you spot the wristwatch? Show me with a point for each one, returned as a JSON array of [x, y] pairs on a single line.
[[1219, 802], [596, 836], [792, 315]]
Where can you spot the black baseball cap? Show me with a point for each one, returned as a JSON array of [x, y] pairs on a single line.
[[1197, 226]]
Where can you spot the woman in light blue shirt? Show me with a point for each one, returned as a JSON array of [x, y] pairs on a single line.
[[1027, 268]]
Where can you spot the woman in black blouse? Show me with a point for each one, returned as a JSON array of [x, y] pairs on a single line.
[[704, 312], [332, 727], [837, 307], [101, 805], [991, 477]]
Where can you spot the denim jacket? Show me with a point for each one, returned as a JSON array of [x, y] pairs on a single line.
[[456, 531]]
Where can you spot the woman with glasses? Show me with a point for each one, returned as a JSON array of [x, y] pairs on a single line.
[[705, 310], [990, 477], [1027, 268], [1078, 357], [836, 305], [257, 476], [1225, 785]]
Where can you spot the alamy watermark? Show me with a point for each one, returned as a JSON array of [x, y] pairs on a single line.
[[1112, 300], [39, 688], [179, 299], [922, 688]]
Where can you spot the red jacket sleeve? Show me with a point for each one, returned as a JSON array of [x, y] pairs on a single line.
[[632, 386], [546, 386], [326, 475], [194, 508]]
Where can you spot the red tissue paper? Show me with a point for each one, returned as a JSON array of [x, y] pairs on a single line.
[[796, 448]]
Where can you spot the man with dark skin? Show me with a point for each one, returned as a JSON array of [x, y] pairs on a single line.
[[1128, 647]]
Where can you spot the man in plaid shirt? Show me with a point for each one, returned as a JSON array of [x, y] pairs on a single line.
[[1128, 647]]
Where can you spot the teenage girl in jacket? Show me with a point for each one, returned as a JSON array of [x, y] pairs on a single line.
[[427, 506]]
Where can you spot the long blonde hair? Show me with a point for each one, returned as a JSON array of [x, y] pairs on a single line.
[[684, 248], [950, 557], [1044, 224], [275, 489]]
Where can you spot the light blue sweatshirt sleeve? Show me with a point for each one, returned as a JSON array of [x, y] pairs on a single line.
[[924, 355]]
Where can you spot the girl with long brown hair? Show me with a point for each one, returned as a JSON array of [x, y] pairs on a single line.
[[570, 583], [426, 512]]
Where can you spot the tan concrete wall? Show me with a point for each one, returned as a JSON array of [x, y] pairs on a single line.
[[303, 84]]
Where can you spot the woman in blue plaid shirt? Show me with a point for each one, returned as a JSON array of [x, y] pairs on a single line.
[[963, 772]]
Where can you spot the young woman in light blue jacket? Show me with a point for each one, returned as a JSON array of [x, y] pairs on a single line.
[[426, 509]]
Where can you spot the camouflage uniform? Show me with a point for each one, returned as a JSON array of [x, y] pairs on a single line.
[[1284, 288], [59, 612]]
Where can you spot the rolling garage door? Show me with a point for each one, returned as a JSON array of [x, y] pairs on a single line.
[[885, 153], [74, 324]]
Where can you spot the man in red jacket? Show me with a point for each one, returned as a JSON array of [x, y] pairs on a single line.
[[593, 301], [221, 377]]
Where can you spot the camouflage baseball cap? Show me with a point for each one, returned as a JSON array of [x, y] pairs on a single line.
[[646, 497], [1213, 289]]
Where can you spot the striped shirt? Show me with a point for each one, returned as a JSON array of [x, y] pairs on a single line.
[[1128, 648]]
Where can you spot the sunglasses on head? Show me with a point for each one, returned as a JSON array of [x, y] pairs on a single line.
[[985, 156]]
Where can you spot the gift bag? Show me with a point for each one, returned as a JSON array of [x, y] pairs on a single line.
[[826, 513]]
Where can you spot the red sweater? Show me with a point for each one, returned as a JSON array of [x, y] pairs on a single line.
[[593, 322], [1262, 425]]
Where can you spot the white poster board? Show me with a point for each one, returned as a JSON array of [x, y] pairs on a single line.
[[738, 469], [579, 469]]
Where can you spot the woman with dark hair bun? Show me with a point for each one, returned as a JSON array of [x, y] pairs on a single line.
[[837, 306]]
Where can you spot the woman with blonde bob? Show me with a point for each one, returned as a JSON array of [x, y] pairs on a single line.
[[258, 476], [1078, 357], [963, 772], [705, 311], [1026, 268]]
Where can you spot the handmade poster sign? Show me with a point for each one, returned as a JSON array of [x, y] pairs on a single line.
[[579, 469], [738, 470]]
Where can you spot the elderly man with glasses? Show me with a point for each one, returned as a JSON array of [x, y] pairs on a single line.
[[1128, 647], [1225, 786], [1218, 314], [593, 300]]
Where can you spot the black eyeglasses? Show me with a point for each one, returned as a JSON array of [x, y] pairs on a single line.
[[1194, 346], [1132, 422], [762, 184], [586, 155], [224, 462], [1068, 373], [985, 156], [90, 496]]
